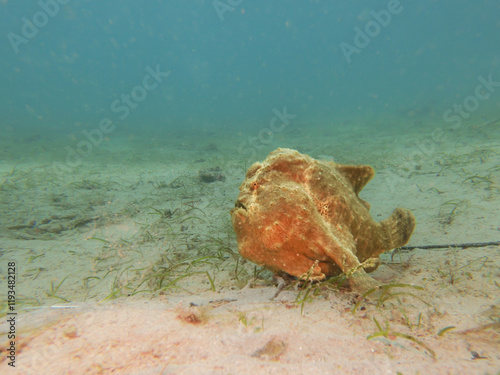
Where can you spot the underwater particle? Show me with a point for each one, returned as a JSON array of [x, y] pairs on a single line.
[[272, 351], [293, 210], [211, 175]]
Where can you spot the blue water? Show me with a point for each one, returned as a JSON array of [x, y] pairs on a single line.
[[230, 65]]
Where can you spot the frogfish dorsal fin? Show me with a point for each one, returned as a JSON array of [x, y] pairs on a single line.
[[357, 175]]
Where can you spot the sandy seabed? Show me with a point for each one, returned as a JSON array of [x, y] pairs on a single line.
[[128, 264]]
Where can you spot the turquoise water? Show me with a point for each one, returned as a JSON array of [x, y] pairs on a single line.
[[67, 65]]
